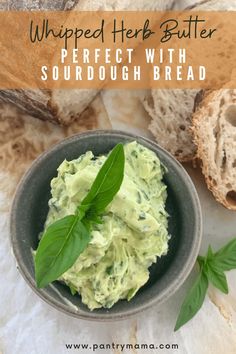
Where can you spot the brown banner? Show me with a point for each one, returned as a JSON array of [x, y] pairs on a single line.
[[191, 49]]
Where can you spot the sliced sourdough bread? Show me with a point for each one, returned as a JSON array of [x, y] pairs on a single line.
[[214, 130], [171, 113], [171, 110]]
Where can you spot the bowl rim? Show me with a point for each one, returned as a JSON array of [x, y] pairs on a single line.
[[165, 293]]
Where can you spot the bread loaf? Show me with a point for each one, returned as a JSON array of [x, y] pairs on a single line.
[[214, 130]]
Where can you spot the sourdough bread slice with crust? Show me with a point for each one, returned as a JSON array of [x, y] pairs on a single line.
[[171, 110], [214, 130]]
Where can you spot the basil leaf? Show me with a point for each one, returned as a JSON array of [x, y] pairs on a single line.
[[210, 253], [217, 278], [212, 269], [193, 301], [225, 258], [201, 260], [58, 249], [106, 184]]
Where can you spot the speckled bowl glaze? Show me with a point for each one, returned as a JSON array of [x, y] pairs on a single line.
[[30, 208]]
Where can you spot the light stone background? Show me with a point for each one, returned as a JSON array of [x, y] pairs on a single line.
[[30, 326]]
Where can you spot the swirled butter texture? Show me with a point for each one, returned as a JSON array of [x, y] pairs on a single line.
[[133, 232]]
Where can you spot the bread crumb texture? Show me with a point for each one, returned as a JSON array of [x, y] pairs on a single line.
[[214, 130], [171, 113]]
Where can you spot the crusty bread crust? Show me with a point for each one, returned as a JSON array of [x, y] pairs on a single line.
[[220, 179], [214, 131], [37, 103]]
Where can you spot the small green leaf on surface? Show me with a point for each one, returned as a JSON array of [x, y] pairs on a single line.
[[193, 301], [212, 268], [217, 278], [210, 253], [225, 258]]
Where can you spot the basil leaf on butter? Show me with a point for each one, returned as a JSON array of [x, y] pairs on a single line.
[[217, 278], [193, 301], [64, 240], [59, 248], [106, 184]]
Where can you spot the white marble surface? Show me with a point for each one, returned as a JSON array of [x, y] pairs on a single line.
[[30, 326]]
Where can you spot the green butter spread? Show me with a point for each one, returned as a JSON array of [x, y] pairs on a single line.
[[133, 232]]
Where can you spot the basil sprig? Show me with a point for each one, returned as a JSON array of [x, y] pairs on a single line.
[[212, 268], [64, 240]]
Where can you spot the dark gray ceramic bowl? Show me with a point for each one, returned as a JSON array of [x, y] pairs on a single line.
[[30, 209]]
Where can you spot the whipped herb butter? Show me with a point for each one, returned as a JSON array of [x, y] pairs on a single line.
[[133, 232]]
